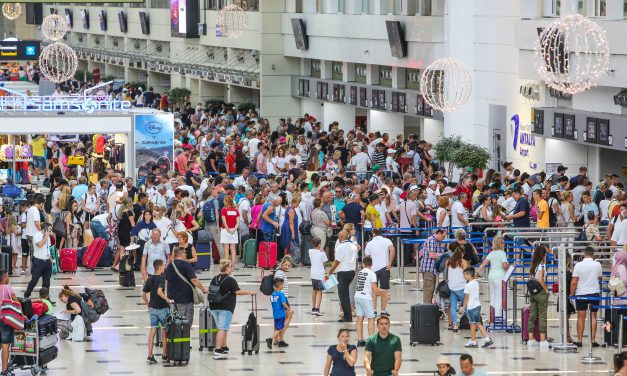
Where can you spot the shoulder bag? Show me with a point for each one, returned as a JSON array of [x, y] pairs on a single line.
[[196, 292]]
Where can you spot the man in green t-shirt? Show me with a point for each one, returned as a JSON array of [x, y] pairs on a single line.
[[383, 351]]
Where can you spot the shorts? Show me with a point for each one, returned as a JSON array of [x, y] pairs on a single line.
[[223, 318], [383, 278], [25, 248], [39, 162], [582, 305], [6, 333], [317, 285], [158, 317], [279, 323], [364, 308], [474, 315]]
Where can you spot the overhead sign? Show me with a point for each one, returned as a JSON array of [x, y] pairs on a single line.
[[13, 101], [523, 138], [19, 50]]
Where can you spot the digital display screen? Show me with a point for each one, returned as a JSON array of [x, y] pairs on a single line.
[[20, 50]]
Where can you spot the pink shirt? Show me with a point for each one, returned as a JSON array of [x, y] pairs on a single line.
[[254, 213], [6, 291]]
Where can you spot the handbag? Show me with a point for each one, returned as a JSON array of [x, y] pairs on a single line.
[[533, 286], [59, 225], [616, 286], [11, 313], [196, 292], [305, 228]]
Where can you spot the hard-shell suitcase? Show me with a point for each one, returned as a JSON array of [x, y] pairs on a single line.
[[251, 332], [178, 333], [203, 254], [424, 324], [5, 260], [250, 253], [93, 253], [610, 332], [305, 246], [267, 256], [68, 258], [526, 312], [54, 256], [47, 341], [215, 252], [47, 324], [45, 356], [106, 260], [127, 279], [208, 330]]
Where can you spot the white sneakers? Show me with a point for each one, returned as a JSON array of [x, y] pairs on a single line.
[[542, 344], [545, 345]]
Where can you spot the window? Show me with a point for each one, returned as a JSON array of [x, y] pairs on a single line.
[[423, 8], [315, 68], [159, 4], [363, 97], [337, 71], [600, 8], [625, 8], [412, 80], [339, 93], [385, 76], [360, 73], [303, 88]]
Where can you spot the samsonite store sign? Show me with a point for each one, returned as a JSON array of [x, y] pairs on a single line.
[[13, 101], [19, 50]]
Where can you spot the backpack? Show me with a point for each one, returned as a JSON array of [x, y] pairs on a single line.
[[98, 298], [48, 203], [215, 295], [209, 211], [267, 284], [552, 214], [582, 235], [440, 263]]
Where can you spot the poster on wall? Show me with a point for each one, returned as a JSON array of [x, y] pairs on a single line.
[[538, 121], [569, 126], [591, 131], [603, 132], [184, 18], [558, 125], [154, 143]]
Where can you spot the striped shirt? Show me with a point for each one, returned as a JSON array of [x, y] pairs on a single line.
[[431, 245]]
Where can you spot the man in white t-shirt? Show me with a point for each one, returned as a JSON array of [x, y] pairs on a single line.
[[459, 216], [115, 197], [253, 145], [345, 264], [42, 264], [317, 258], [382, 252], [585, 283], [243, 207], [360, 162], [619, 228], [365, 294], [33, 220]]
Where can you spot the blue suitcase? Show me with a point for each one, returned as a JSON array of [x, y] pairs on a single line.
[[203, 253]]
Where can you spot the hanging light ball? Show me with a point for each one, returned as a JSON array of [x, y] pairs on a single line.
[[58, 62], [233, 20], [572, 54], [446, 84], [54, 27], [11, 10]]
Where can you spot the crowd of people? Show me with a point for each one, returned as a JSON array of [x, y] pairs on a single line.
[[326, 196]]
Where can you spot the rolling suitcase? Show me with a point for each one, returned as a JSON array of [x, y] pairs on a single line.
[[267, 256], [5, 259], [203, 250], [305, 246], [208, 330], [47, 325], [107, 258], [526, 312], [68, 260], [215, 252], [250, 331], [54, 256], [127, 279], [250, 253], [610, 332], [93, 253], [179, 333], [424, 324]]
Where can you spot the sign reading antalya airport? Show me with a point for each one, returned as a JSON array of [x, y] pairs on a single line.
[[13, 101], [523, 138]]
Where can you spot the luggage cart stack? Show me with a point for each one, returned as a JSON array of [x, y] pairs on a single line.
[[35, 346]]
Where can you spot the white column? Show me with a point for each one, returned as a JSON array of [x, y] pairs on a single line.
[[568, 7], [326, 69], [379, 7], [343, 114], [354, 7], [372, 74], [398, 77], [547, 8], [615, 10], [309, 6], [392, 123], [531, 9], [432, 130], [331, 6], [348, 72]]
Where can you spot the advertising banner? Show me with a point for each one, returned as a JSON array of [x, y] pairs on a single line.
[[184, 18], [154, 143], [19, 50]]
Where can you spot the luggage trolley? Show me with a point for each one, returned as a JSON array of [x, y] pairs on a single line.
[[25, 352]]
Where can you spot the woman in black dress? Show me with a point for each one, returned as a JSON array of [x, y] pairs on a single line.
[[127, 222], [342, 356]]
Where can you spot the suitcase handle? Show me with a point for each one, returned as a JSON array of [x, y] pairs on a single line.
[[254, 304]]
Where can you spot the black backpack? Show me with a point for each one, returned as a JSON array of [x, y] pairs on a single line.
[[267, 284], [552, 215], [48, 203], [215, 295]]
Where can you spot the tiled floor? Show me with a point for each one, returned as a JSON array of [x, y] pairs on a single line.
[[120, 337]]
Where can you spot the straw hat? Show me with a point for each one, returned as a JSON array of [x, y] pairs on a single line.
[[443, 360]]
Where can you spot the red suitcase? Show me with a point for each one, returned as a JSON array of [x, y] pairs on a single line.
[[266, 256], [526, 312], [92, 255], [68, 260]]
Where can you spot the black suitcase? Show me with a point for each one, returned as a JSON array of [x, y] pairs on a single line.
[[207, 330], [127, 279], [5, 259], [424, 324], [305, 246], [178, 340], [610, 332], [250, 331], [45, 356], [47, 324]]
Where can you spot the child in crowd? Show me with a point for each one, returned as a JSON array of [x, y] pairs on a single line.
[[280, 312], [284, 267], [366, 293], [318, 258], [159, 306], [14, 233], [44, 296], [472, 307]]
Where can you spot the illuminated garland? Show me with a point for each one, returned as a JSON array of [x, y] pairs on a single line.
[[58, 62], [54, 27], [11, 10], [446, 84], [233, 20]]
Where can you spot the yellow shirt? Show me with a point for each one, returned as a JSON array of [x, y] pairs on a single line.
[[543, 219], [39, 147], [371, 210]]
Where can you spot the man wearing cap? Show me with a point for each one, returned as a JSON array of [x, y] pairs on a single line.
[[431, 202], [375, 180], [391, 165], [520, 213]]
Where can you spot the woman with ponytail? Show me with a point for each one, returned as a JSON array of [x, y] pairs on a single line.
[[73, 307], [455, 266]]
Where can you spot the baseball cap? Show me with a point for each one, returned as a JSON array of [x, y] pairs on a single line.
[[412, 187], [376, 168], [391, 151], [432, 182], [533, 177], [561, 168]]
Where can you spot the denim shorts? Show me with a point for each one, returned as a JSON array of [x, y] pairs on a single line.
[[223, 318], [158, 317], [6, 333], [364, 308], [474, 315], [39, 162]]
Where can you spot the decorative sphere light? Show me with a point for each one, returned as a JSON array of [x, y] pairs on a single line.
[[572, 54], [233, 20], [11, 10], [446, 84], [54, 27], [58, 62]]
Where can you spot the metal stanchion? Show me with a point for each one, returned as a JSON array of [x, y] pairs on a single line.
[[515, 306], [417, 288], [400, 262], [620, 333], [590, 359], [564, 346]]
